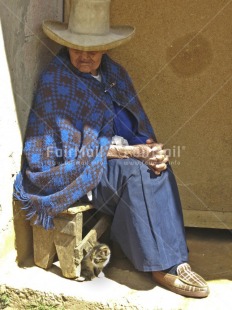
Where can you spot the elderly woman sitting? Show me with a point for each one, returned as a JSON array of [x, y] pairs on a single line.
[[84, 99]]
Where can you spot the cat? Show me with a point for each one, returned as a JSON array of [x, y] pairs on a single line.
[[94, 262]]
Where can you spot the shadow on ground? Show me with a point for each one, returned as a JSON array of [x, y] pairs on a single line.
[[210, 255]]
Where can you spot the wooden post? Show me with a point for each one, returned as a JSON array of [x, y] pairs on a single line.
[[68, 236], [91, 238], [44, 248]]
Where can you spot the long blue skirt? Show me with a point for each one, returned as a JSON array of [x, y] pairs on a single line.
[[147, 215]]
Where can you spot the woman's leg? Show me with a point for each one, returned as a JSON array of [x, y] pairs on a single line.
[[148, 221]]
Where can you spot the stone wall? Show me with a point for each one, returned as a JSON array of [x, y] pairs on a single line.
[[24, 53]]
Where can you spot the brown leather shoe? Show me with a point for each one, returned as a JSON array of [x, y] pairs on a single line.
[[186, 282]]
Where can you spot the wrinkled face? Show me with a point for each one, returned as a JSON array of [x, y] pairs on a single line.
[[86, 62]]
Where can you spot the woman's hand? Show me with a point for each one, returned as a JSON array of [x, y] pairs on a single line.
[[157, 162], [151, 153]]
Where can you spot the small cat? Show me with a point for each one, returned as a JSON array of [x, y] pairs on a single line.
[[94, 261]]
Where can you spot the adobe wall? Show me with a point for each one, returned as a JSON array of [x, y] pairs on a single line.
[[181, 63]]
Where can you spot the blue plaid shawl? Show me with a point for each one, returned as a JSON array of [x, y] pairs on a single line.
[[68, 134]]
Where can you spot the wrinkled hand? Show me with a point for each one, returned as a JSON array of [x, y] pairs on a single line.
[[158, 160], [151, 153]]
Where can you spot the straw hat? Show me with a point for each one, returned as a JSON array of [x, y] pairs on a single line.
[[88, 28]]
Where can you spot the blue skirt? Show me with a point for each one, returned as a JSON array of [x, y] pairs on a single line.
[[147, 215]]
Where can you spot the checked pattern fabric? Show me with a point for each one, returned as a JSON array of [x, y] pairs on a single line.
[[190, 277], [68, 135]]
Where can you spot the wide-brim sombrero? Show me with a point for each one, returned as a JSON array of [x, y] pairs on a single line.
[[61, 34]]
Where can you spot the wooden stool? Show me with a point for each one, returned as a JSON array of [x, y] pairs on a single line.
[[66, 241]]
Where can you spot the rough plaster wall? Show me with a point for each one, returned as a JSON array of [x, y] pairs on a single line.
[[10, 144], [181, 64], [27, 52]]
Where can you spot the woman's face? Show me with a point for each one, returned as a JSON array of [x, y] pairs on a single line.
[[86, 62]]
